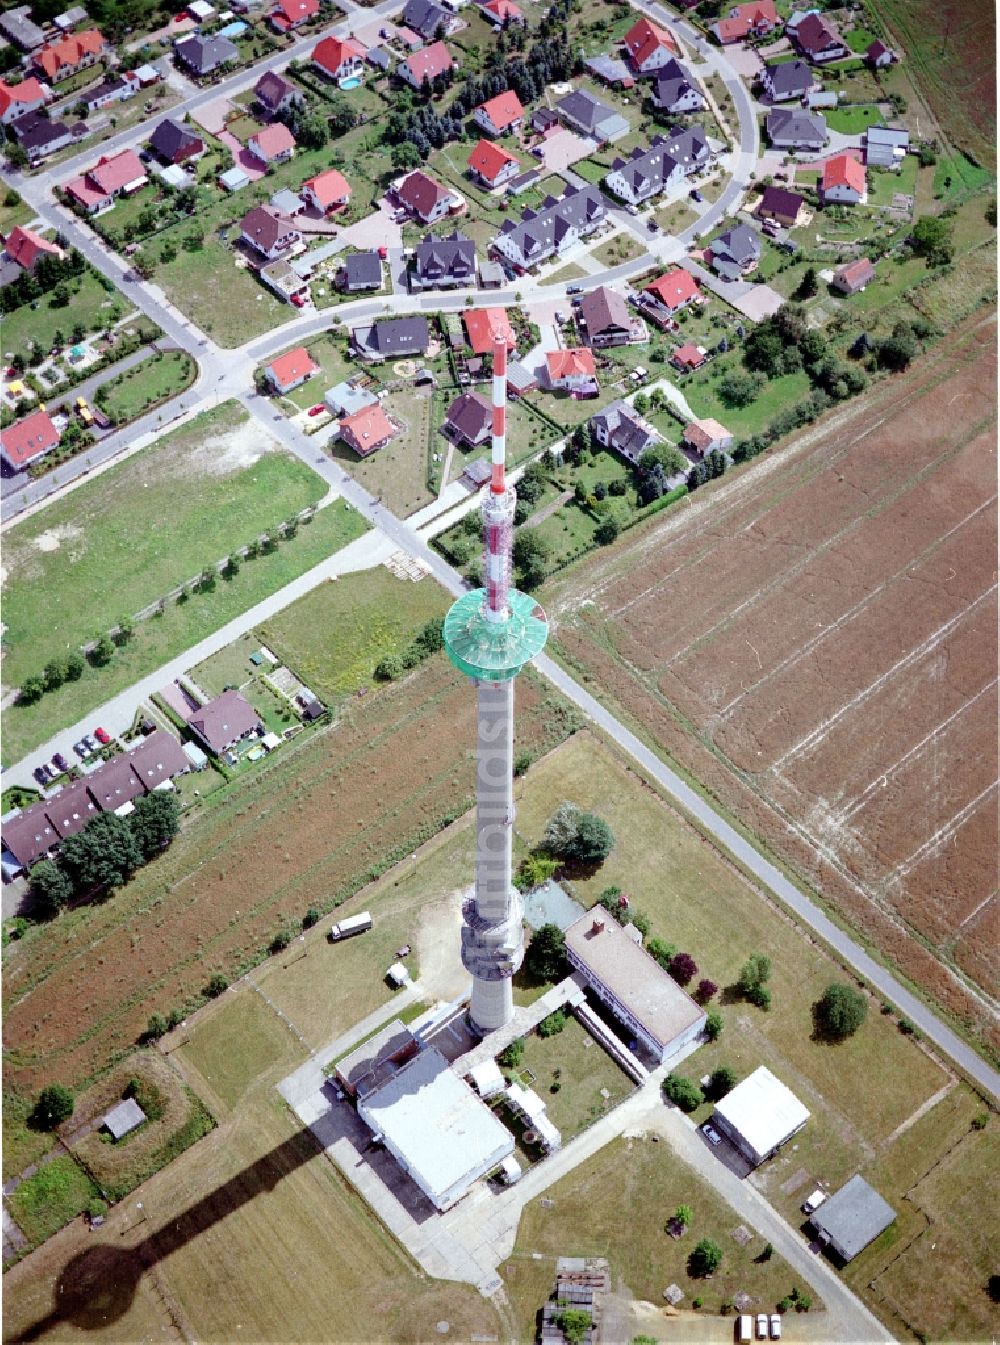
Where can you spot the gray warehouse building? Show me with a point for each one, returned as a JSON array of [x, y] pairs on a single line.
[[853, 1217]]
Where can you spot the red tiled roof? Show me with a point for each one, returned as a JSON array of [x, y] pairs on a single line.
[[28, 91], [273, 140], [332, 52], [421, 193], [482, 323], [503, 110], [295, 11], [112, 174], [25, 247], [688, 355], [69, 52], [674, 288], [367, 429], [700, 433], [328, 187], [856, 272], [33, 435], [489, 160], [503, 10], [843, 171], [644, 37], [433, 60], [747, 17], [568, 363], [288, 369]]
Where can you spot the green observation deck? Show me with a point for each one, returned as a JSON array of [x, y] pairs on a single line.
[[494, 651]]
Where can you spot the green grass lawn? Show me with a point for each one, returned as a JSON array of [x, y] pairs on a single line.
[[90, 304], [622, 248], [581, 1068], [701, 392], [852, 120], [955, 177], [55, 1194], [334, 636], [230, 667], [568, 272], [397, 473], [17, 213], [884, 184], [223, 299], [334, 367], [859, 40], [154, 380]]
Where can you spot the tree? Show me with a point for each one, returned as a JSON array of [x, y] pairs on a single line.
[[713, 1025], [102, 653], [808, 285], [575, 1324], [531, 554], [721, 1081], [545, 959], [104, 854], [839, 1012], [754, 972], [682, 1092], [896, 351], [931, 238], [49, 887], [683, 1215], [156, 1026], [705, 991], [217, 984], [661, 951], [32, 689], [388, 669], [594, 840], [683, 968], [74, 666], [706, 1258], [155, 821], [607, 531], [512, 1055], [738, 388], [54, 1105]]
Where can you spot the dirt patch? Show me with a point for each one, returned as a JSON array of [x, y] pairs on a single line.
[[225, 454], [835, 681]]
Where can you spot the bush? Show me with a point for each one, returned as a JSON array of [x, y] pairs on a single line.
[[553, 1024], [156, 1026], [575, 835], [54, 1105], [607, 531], [682, 1092], [721, 1081], [661, 952], [683, 968], [217, 985], [706, 1258], [706, 990], [389, 669], [981, 1120], [280, 941], [310, 918], [713, 1025], [839, 1012], [96, 1208], [512, 1055], [535, 869], [760, 996]]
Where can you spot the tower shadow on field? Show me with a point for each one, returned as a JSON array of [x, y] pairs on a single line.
[[97, 1287]]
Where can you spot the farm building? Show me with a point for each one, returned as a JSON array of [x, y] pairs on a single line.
[[436, 1128], [123, 1119], [851, 1218], [760, 1115], [637, 989]]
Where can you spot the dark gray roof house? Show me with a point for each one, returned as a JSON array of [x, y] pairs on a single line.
[[591, 117], [392, 338], [469, 419], [425, 18], [735, 252], [205, 54], [554, 227], [851, 1218], [224, 721], [362, 271], [18, 26], [793, 128], [440, 263], [785, 80], [620, 427], [274, 92], [173, 143], [38, 135], [675, 90], [610, 69], [647, 172]]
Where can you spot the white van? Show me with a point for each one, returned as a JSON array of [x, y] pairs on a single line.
[[744, 1328]]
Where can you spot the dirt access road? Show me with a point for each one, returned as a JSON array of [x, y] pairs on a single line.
[[817, 643]]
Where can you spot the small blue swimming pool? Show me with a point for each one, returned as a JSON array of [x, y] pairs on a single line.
[[351, 82], [236, 29]]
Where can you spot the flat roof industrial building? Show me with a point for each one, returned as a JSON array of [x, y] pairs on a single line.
[[760, 1115], [851, 1218], [633, 984], [436, 1128]]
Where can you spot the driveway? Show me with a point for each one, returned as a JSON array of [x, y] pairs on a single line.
[[212, 116], [565, 148], [242, 157], [378, 229]]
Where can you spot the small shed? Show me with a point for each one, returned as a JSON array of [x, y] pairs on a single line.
[[124, 1118], [851, 1218], [397, 975], [195, 755], [234, 179], [487, 1079]]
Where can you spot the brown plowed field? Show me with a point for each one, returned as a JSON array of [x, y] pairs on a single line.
[[817, 640], [303, 833]]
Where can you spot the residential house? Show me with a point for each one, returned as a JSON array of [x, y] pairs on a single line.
[[361, 271], [27, 248], [233, 179], [425, 198], [604, 319], [843, 180], [469, 420], [367, 430], [72, 808], [291, 370], [879, 56], [501, 115], [819, 41], [485, 325], [28, 439], [56, 61], [70, 19], [649, 172], [286, 282], [423, 67], [225, 721], [392, 338], [272, 144], [794, 128], [886, 147], [18, 99], [852, 278], [744, 22], [18, 27], [669, 293], [339, 58], [267, 232], [491, 164], [707, 436], [175, 143], [619, 426], [675, 90], [326, 191], [114, 89], [556, 226], [203, 55], [380, 59], [443, 263], [544, 120], [781, 205], [688, 357], [288, 15], [275, 94], [572, 371], [201, 11], [520, 379], [431, 21], [786, 80], [39, 135], [502, 13], [735, 253], [117, 175], [609, 70], [649, 47], [582, 112]]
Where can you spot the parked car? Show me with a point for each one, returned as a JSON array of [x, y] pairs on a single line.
[[762, 1326], [42, 774], [574, 289], [775, 1326], [695, 194], [89, 743], [711, 1134], [81, 749], [317, 410], [383, 252], [60, 762], [102, 736], [652, 226], [298, 301]]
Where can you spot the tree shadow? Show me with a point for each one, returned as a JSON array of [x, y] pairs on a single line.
[[731, 994]]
